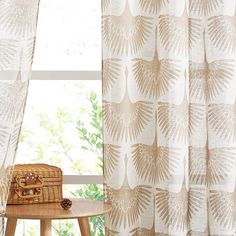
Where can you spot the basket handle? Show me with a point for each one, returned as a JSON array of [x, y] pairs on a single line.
[[40, 185]]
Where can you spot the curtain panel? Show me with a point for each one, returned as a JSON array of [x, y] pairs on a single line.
[[18, 20], [169, 116]]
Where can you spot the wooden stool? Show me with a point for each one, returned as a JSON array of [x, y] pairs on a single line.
[[81, 209]]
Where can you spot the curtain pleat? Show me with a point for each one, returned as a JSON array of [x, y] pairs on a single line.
[[169, 117], [18, 20]]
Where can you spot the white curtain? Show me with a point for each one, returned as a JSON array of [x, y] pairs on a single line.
[[169, 93], [18, 19]]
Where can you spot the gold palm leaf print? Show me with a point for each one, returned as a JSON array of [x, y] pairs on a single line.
[[203, 7], [5, 178], [19, 16], [195, 32], [128, 204], [196, 199], [27, 54], [210, 78], [126, 34], [153, 6], [126, 120], [196, 116], [222, 120], [219, 75], [3, 135], [174, 33], [105, 4], [176, 208], [161, 234], [109, 232], [222, 31], [173, 120], [157, 77], [211, 166], [111, 155], [196, 233], [12, 99], [110, 73], [198, 165], [223, 208], [220, 164], [154, 163], [198, 81], [7, 53], [142, 232]]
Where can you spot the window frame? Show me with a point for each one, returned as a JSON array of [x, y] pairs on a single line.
[[72, 75]]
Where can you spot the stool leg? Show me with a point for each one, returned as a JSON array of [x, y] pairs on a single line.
[[84, 226], [11, 227], [45, 227]]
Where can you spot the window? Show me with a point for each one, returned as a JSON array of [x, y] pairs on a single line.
[[69, 34], [63, 127], [62, 122]]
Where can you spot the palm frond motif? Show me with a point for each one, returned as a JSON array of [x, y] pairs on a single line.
[[14, 136], [220, 73], [157, 77], [161, 234], [5, 179], [111, 155], [124, 124], [195, 32], [2, 225], [126, 34], [12, 99], [177, 208], [128, 204], [210, 79], [223, 208], [4, 133], [111, 69], [8, 50], [174, 33], [197, 233], [27, 54], [109, 232], [198, 165], [126, 120], [142, 231], [153, 6], [105, 4], [222, 121], [198, 81], [204, 8], [222, 31], [197, 115], [155, 163], [220, 164], [172, 208], [196, 198], [173, 120], [18, 17], [210, 166]]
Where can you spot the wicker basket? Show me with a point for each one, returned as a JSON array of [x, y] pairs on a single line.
[[35, 183]]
